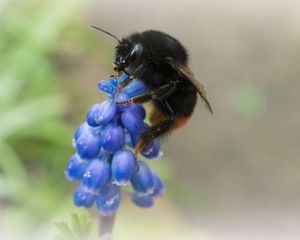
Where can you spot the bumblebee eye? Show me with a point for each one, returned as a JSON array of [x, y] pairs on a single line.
[[123, 62], [134, 53]]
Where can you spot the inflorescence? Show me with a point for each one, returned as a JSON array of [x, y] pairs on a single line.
[[104, 160]]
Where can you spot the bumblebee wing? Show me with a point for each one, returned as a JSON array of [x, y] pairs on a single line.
[[188, 74]]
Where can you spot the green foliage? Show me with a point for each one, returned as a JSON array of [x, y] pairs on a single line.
[[34, 137], [79, 229]]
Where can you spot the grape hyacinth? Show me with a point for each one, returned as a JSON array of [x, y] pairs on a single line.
[[104, 160]]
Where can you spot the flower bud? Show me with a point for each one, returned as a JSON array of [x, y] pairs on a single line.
[[132, 121], [152, 150], [104, 86], [134, 88], [144, 201], [83, 197], [142, 180], [159, 187], [139, 109], [113, 137], [114, 82], [75, 168], [101, 113], [122, 77], [122, 166], [82, 128], [88, 145], [120, 97], [96, 175], [108, 200]]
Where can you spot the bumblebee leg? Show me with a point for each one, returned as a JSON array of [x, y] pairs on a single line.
[[142, 98], [165, 91], [136, 73], [158, 94], [124, 83], [158, 129], [154, 131]]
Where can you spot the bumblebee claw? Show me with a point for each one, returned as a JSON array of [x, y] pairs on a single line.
[[118, 90], [137, 165], [122, 103], [136, 153]]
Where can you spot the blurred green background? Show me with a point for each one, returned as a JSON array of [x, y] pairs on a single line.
[[232, 175]]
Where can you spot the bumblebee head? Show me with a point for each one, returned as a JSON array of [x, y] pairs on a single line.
[[127, 55]]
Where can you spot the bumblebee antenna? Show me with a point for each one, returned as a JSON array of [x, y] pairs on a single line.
[[108, 33]]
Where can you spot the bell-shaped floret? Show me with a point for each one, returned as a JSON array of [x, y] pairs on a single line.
[[142, 180], [134, 88], [82, 128], [105, 86], [96, 175], [108, 200], [101, 113], [120, 97], [122, 166], [144, 201], [159, 187], [88, 145], [82, 196], [75, 168], [122, 77], [113, 80], [113, 137], [132, 121], [152, 150], [139, 109]]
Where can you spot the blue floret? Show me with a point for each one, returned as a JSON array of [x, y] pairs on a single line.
[[108, 201], [104, 160]]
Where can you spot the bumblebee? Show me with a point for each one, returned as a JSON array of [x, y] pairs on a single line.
[[161, 62]]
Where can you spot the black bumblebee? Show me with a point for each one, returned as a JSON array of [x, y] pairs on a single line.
[[160, 61]]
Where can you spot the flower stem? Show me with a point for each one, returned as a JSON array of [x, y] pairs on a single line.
[[106, 227]]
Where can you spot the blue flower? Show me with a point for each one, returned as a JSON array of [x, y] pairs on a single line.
[[144, 201], [139, 109], [84, 127], [113, 137], [108, 200], [136, 87], [88, 145], [82, 196], [159, 187], [114, 81], [122, 166], [101, 113], [104, 86], [152, 150], [104, 157], [75, 168], [132, 120], [142, 181], [122, 77], [135, 136], [96, 175], [120, 98]]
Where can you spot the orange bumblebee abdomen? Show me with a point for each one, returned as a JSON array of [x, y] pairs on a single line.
[[156, 116], [180, 121]]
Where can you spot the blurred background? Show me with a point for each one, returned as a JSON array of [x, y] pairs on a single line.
[[231, 175]]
